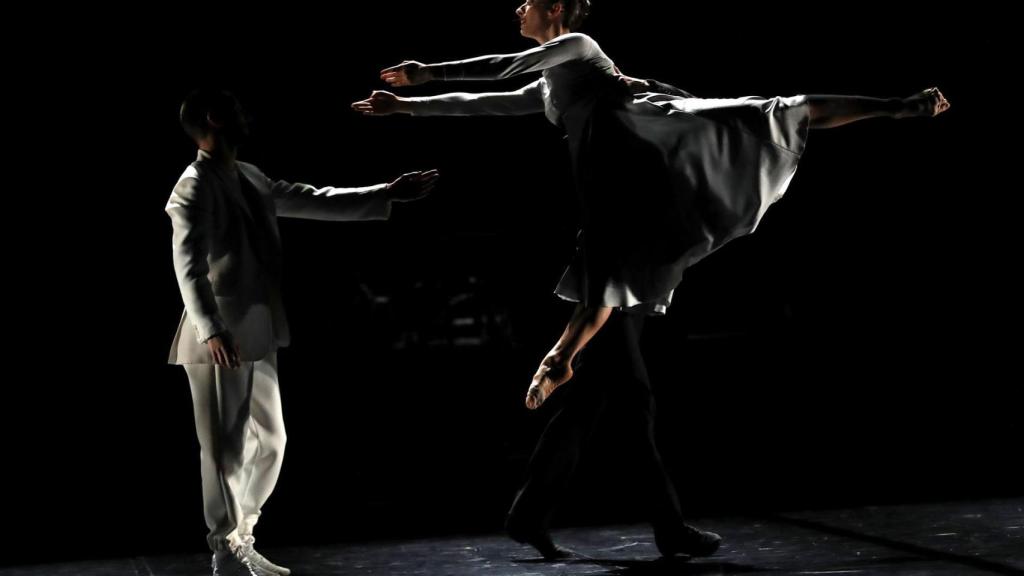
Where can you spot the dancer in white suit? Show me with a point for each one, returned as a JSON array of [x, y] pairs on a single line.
[[227, 258]]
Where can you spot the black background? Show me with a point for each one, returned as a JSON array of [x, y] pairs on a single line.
[[861, 347]]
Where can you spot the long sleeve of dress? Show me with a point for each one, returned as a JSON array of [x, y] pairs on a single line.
[[527, 100], [563, 49]]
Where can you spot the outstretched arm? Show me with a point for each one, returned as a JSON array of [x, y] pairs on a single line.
[[494, 67], [365, 203], [527, 100], [556, 368]]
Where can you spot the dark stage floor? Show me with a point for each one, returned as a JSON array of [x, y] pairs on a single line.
[[960, 538]]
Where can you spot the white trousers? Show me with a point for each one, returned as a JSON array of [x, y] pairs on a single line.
[[241, 441]]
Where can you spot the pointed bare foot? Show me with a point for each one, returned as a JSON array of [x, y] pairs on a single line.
[[553, 372], [926, 103]]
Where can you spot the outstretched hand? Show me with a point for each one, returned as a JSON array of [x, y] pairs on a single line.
[[380, 103], [408, 73], [412, 186]]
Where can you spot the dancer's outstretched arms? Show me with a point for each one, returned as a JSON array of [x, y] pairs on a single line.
[[494, 67], [526, 100]]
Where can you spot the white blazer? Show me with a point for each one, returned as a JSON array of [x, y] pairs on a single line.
[[227, 255]]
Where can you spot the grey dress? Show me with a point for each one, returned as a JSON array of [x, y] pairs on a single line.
[[663, 179]]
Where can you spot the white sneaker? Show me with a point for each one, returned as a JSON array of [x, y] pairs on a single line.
[[237, 563], [225, 563], [260, 561]]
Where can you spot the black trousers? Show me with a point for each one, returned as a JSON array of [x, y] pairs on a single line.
[[611, 370]]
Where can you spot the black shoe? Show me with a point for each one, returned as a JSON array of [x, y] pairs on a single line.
[[539, 539], [687, 540]]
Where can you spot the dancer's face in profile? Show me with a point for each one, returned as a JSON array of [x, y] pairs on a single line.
[[536, 16]]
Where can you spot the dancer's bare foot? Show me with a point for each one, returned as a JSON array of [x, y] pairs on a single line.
[[552, 373], [927, 103]]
